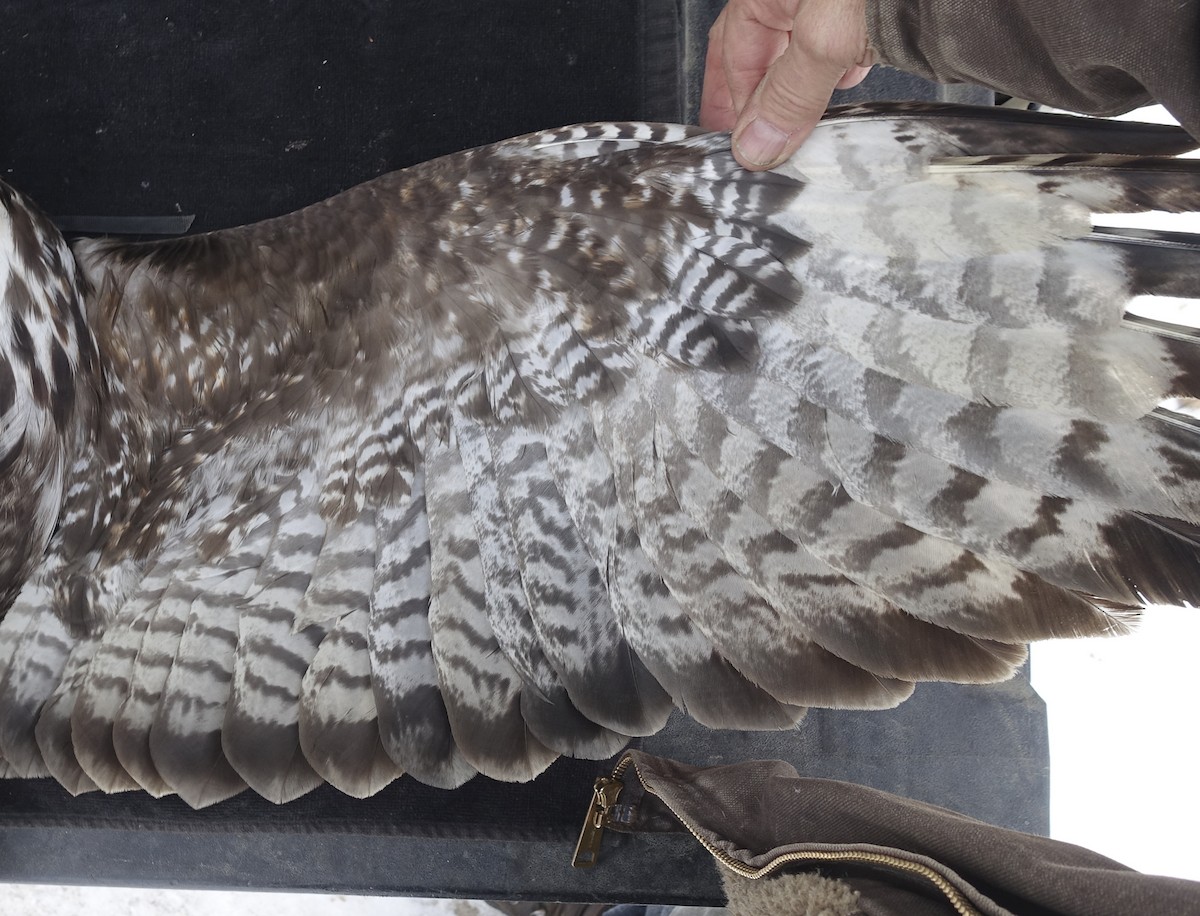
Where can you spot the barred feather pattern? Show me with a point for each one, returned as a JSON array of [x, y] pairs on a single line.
[[505, 456]]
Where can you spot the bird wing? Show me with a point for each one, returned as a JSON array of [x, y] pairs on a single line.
[[505, 456]]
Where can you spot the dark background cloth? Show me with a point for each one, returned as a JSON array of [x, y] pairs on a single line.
[[236, 112]]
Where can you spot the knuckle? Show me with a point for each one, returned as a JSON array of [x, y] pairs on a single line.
[[783, 99]]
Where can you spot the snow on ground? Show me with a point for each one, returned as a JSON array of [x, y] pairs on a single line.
[[1124, 743], [41, 900]]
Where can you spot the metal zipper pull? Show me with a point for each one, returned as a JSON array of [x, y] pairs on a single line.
[[604, 796]]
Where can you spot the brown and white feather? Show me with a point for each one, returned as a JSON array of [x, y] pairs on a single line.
[[502, 456]]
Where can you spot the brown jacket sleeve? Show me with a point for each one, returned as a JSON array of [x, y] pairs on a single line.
[[761, 819], [1095, 56]]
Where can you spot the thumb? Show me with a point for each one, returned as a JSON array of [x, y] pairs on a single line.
[[827, 41]]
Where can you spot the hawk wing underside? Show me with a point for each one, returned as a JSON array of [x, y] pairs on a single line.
[[505, 457]]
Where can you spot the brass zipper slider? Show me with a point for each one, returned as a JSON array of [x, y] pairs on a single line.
[[604, 796]]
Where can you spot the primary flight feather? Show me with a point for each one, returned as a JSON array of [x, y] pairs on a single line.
[[504, 456]]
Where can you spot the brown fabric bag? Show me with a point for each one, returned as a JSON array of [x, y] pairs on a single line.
[[761, 819]]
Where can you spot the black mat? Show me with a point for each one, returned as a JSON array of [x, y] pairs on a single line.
[[241, 111], [978, 750]]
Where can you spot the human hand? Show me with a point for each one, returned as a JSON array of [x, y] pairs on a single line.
[[772, 66]]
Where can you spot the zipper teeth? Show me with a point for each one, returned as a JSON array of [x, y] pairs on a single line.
[[956, 899], [622, 766]]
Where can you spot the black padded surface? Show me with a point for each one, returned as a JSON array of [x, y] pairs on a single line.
[[240, 111], [978, 750]]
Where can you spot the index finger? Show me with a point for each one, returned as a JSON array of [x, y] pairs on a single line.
[[753, 38]]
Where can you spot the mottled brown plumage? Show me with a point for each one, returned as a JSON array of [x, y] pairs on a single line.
[[503, 456]]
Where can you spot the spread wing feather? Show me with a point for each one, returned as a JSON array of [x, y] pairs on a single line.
[[53, 730], [260, 734], [682, 659], [414, 723], [339, 722], [36, 647], [570, 608], [107, 682], [546, 700], [761, 643], [481, 688], [1145, 466], [185, 736], [520, 448], [151, 665], [935, 580], [729, 474]]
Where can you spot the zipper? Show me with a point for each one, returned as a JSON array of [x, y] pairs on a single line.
[[604, 796], [608, 788]]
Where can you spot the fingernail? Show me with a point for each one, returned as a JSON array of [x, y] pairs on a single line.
[[760, 142]]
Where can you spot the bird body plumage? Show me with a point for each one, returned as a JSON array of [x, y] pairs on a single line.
[[504, 456]]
